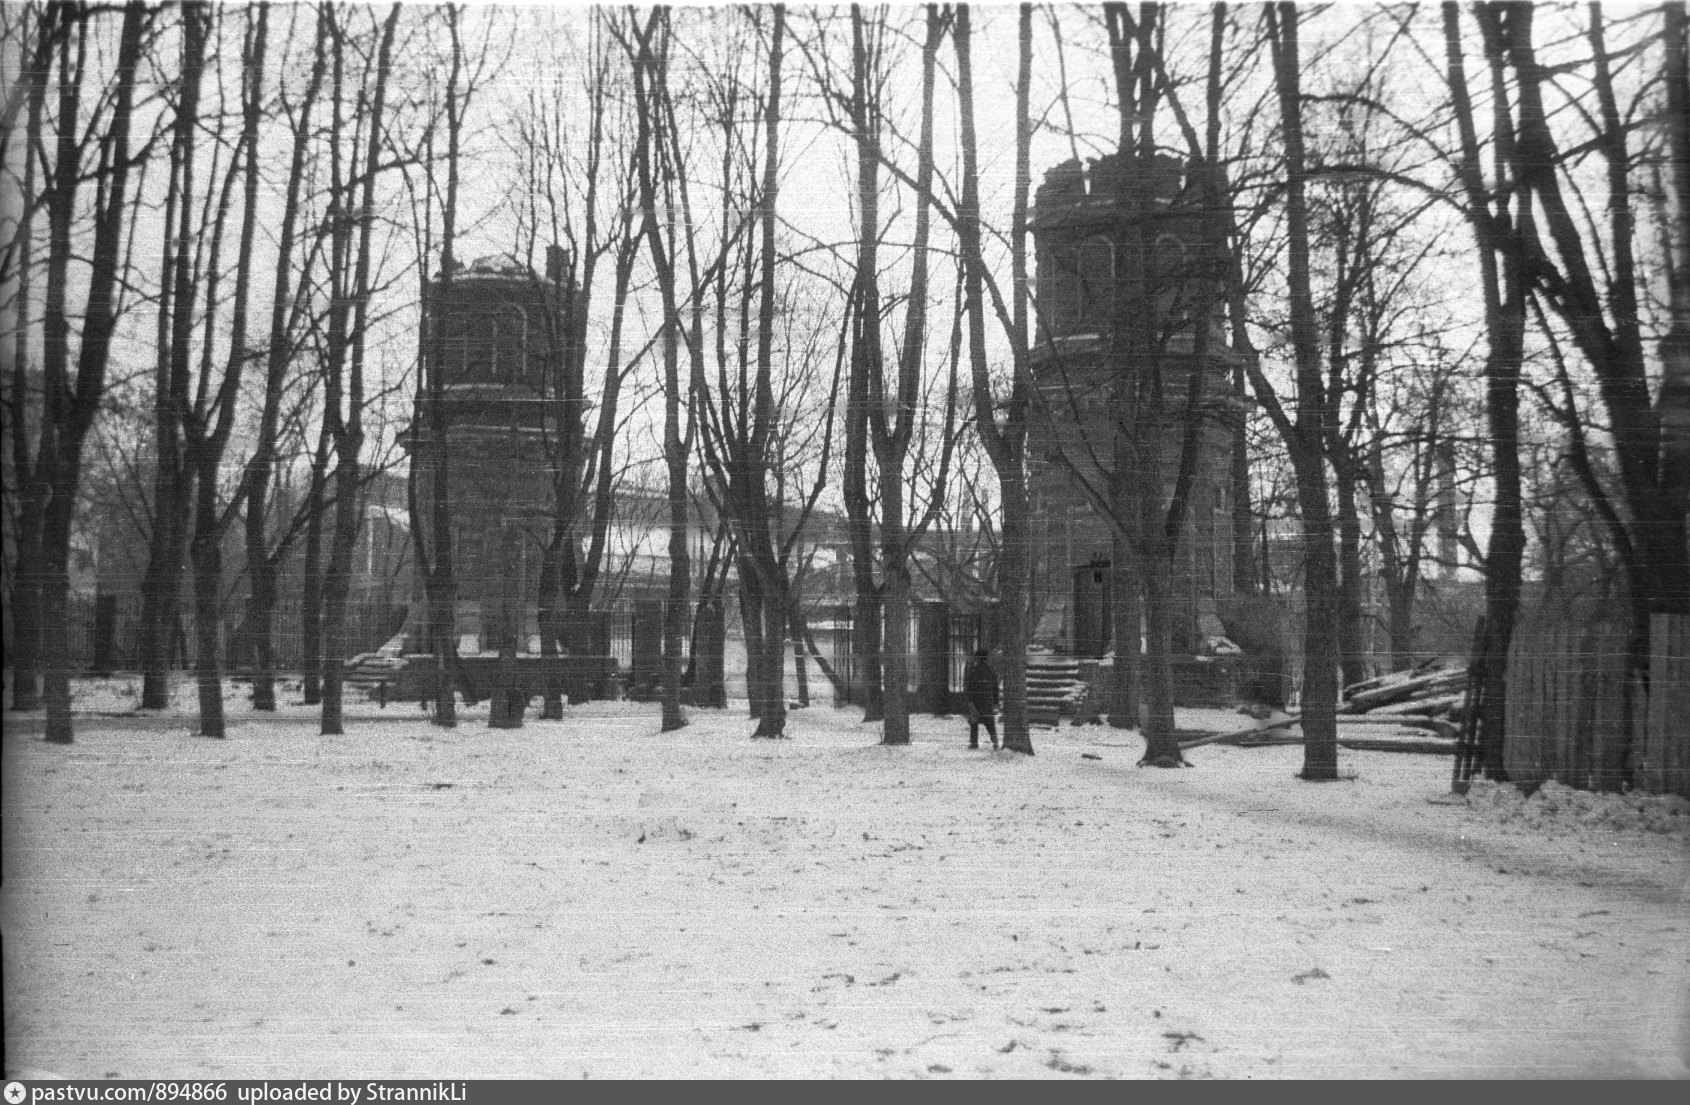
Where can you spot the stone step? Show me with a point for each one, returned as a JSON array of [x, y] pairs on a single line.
[[1051, 684]]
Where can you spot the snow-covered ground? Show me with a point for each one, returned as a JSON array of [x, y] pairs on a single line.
[[593, 898]]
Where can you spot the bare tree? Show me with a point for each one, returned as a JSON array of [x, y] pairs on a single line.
[[27, 496], [648, 47], [1002, 427], [867, 356], [1501, 217], [1152, 407], [1305, 436], [1589, 280], [582, 453], [70, 409], [352, 216], [1405, 505], [209, 420], [262, 560], [178, 297], [431, 473], [739, 418], [1673, 400], [885, 419]]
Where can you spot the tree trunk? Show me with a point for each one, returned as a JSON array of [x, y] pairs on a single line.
[[680, 585], [800, 657], [1012, 576], [1320, 638], [1352, 624], [550, 615], [337, 581], [207, 557], [867, 364], [865, 652], [25, 604], [55, 650], [751, 623], [311, 571], [1127, 634], [26, 612], [261, 627], [1161, 743], [509, 702], [160, 585], [1243, 520], [443, 580], [1401, 600], [1154, 564], [1306, 443], [896, 648]]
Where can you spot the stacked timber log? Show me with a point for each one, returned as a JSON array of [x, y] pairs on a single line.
[[1434, 689], [1418, 710]]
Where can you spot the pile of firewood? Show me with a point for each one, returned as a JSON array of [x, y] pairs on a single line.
[[1434, 689]]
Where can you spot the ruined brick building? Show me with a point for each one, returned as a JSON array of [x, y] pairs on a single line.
[[493, 341], [1080, 230]]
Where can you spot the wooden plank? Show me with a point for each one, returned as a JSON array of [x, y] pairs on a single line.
[[1679, 706], [1607, 735], [1530, 704], [1667, 738], [1569, 692], [1675, 732]]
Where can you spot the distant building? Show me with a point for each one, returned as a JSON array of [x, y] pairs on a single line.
[[494, 341], [1080, 228]]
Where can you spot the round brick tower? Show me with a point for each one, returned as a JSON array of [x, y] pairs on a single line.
[[494, 339], [1082, 224]]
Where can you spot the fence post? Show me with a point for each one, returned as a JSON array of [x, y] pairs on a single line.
[[1610, 734]]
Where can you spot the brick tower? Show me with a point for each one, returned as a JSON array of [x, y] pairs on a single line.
[[1081, 228], [494, 341]]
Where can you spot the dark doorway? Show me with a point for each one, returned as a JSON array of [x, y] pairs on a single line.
[[1093, 594]]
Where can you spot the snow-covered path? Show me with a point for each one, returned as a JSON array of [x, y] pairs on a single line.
[[593, 898]]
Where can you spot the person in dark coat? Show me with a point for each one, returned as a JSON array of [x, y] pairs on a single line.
[[980, 684]]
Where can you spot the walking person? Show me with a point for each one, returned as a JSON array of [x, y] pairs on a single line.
[[980, 684]]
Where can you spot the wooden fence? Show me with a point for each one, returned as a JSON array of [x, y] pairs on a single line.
[[115, 646], [1575, 717], [1661, 762]]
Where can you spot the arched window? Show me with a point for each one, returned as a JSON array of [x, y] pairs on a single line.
[[1170, 255], [510, 344], [1096, 264], [484, 347], [481, 354], [451, 347]]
